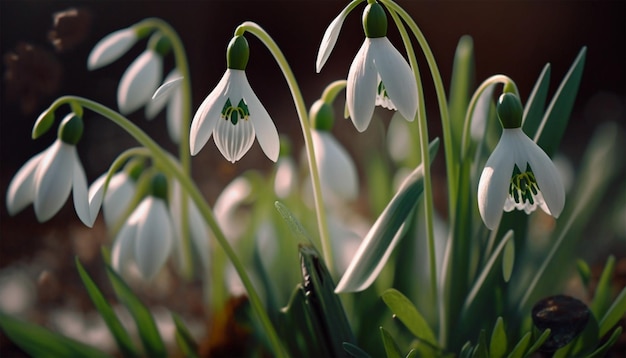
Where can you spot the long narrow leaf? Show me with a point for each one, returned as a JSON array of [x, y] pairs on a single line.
[[614, 313], [148, 332], [39, 342], [391, 348], [121, 336], [382, 238], [602, 296], [600, 352], [406, 312], [535, 106], [539, 342], [498, 342], [520, 348], [184, 339]]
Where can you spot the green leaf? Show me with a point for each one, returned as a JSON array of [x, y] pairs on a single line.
[[602, 296], [294, 225], [584, 343], [520, 348], [184, 339], [584, 271], [374, 251], [406, 312], [302, 329], [542, 338], [498, 343], [535, 105], [39, 342], [600, 352], [121, 336], [552, 127], [466, 350], [391, 348], [355, 351], [146, 326], [508, 259], [461, 86], [480, 351], [614, 313]]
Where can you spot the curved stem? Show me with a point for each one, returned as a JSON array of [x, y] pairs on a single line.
[[164, 159], [322, 223], [423, 142], [184, 155]]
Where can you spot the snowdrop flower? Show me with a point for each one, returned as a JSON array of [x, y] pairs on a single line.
[[112, 47], [337, 170], [379, 75], [286, 176], [119, 193], [233, 114], [518, 174], [147, 237], [47, 179], [171, 94]]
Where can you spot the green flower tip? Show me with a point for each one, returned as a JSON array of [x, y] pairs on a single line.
[[159, 186], [322, 117], [237, 53], [134, 168], [160, 44], [374, 21], [43, 123], [71, 129], [510, 110]]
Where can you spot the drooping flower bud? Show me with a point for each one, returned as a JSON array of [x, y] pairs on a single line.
[[237, 53]]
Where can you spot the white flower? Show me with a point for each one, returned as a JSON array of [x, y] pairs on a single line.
[[118, 197], [329, 40], [111, 48], [170, 93], [46, 181], [146, 238], [233, 114], [379, 75], [337, 170], [518, 175], [139, 81]]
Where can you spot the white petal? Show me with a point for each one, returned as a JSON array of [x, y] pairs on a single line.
[[285, 178], [111, 47], [173, 116], [396, 75], [208, 114], [118, 196], [53, 180], [154, 238], [163, 94], [80, 194], [493, 186], [328, 41], [264, 127], [233, 141], [337, 170], [361, 88], [21, 191], [140, 81], [398, 138], [123, 250], [96, 195], [548, 178]]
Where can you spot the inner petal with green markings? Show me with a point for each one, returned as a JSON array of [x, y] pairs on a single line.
[[524, 193], [234, 114]]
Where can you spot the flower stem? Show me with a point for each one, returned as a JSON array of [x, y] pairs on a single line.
[[423, 142], [322, 223], [170, 165], [184, 155]]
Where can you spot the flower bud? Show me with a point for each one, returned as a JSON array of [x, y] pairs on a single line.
[[71, 129], [43, 123], [159, 186], [510, 110], [374, 21], [321, 115], [237, 53]]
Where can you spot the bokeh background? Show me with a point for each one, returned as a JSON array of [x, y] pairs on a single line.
[[516, 38]]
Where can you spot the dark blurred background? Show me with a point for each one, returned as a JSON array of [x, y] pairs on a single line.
[[516, 38]]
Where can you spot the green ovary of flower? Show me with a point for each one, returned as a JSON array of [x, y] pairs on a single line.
[[233, 114], [523, 187]]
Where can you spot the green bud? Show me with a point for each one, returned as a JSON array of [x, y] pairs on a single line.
[[134, 168], [237, 53], [43, 123], [159, 186], [160, 44], [510, 110], [374, 21], [71, 129], [322, 116]]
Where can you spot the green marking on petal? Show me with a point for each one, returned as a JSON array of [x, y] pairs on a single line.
[[233, 114], [523, 187], [382, 91]]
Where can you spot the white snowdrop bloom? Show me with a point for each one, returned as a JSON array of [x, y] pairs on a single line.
[[111, 47], [518, 174], [118, 196], [147, 236], [169, 94], [329, 40], [233, 114], [337, 171], [47, 179], [140, 81]]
